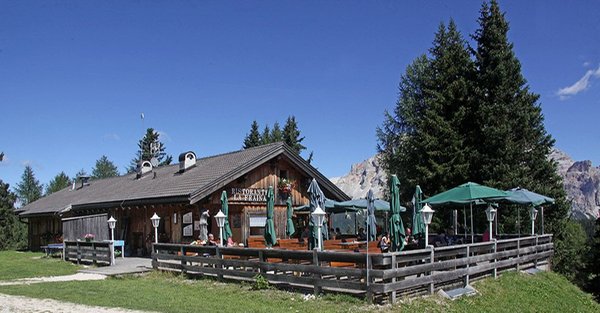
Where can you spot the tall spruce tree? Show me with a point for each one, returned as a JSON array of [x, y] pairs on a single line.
[[13, 233], [291, 135], [510, 144], [423, 141], [29, 189], [145, 152], [59, 182], [265, 138], [104, 168], [253, 138], [276, 133]]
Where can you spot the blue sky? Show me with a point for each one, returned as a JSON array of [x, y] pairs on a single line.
[[75, 75]]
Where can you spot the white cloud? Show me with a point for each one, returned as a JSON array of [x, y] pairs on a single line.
[[586, 64], [582, 84], [112, 136]]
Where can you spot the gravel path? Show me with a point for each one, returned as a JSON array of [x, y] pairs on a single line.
[[74, 277], [19, 304]]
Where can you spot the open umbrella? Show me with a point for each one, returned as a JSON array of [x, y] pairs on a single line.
[[317, 199], [329, 207], [523, 196], [418, 227], [361, 204], [289, 229], [270, 236], [370, 221], [468, 193], [396, 227], [225, 208]]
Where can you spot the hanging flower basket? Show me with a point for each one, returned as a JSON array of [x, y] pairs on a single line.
[[285, 185], [89, 237]]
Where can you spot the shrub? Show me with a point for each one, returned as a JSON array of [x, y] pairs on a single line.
[[260, 283]]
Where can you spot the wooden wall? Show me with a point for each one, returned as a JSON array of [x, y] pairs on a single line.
[[43, 230], [77, 227]]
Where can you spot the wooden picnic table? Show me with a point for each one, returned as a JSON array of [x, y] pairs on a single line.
[[352, 245]]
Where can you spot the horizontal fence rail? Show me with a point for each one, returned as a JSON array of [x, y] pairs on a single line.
[[95, 252], [381, 278]]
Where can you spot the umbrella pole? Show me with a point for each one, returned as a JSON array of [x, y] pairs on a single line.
[[472, 234], [519, 220], [465, 221], [542, 226]]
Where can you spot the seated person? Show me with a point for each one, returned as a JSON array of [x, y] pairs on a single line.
[[211, 241], [338, 233], [362, 236], [441, 239], [303, 235], [198, 242], [384, 243], [230, 242]]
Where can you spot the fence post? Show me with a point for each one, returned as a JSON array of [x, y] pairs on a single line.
[[431, 260], [219, 256], [78, 253], [535, 261], [317, 277], [518, 254], [183, 262], [261, 258], [495, 259], [394, 266], [468, 265]]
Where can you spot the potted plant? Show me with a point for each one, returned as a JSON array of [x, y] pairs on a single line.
[[89, 237]]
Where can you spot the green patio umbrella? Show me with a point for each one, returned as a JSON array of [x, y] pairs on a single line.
[[329, 207], [316, 198], [361, 204], [289, 229], [468, 193], [396, 227], [418, 227], [225, 208], [525, 197], [270, 236]]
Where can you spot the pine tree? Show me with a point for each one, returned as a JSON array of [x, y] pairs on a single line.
[[593, 285], [80, 173], [265, 138], [509, 145], [291, 135], [13, 233], [252, 139], [59, 182], [29, 189], [145, 152], [104, 168], [276, 134]]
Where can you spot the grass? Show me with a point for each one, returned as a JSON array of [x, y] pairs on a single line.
[[14, 264], [163, 292]]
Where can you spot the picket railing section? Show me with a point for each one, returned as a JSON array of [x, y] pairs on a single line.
[[386, 276], [94, 252]]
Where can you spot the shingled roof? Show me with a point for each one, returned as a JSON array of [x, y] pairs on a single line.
[[168, 185]]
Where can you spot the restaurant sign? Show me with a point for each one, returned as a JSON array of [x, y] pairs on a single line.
[[249, 194]]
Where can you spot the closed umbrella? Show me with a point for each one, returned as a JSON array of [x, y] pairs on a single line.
[[270, 236], [317, 199], [396, 226], [225, 208], [289, 229], [418, 227], [370, 221], [468, 193]]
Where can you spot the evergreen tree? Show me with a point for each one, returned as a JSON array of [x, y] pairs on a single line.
[[29, 189], [145, 152], [81, 173], [13, 233], [593, 285], [276, 134], [252, 139], [104, 168], [266, 136], [1, 156], [291, 135], [509, 143], [423, 143], [57, 183]]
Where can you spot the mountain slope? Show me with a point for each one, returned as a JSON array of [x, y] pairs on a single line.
[[581, 182]]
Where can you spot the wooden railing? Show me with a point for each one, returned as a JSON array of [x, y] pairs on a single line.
[[386, 276], [95, 252]]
